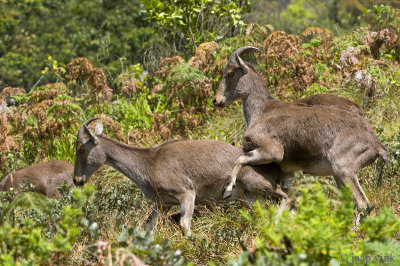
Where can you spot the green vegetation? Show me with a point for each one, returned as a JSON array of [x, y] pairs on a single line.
[[76, 60], [109, 32], [320, 231], [190, 23], [295, 16]]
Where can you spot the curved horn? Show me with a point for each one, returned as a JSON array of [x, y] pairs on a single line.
[[242, 50], [90, 121], [84, 129]]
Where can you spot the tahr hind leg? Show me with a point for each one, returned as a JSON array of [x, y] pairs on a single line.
[[269, 151], [152, 219], [187, 209]]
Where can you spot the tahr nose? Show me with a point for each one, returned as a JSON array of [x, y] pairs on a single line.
[[78, 181], [214, 101]]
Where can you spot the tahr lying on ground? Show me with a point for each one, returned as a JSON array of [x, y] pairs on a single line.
[[178, 172], [321, 139], [45, 177]]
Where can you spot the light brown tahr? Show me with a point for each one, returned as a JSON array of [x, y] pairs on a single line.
[[180, 172], [317, 139], [45, 177]]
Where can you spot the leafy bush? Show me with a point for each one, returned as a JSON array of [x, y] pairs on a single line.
[[46, 120], [141, 244], [23, 238], [187, 86], [123, 31], [116, 204], [186, 24], [37, 230], [320, 232]]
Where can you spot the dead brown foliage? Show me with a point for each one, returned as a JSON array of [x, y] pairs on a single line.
[[375, 40], [44, 118], [288, 64], [111, 127], [94, 77], [130, 85], [50, 92], [167, 65], [7, 142], [10, 91], [204, 57], [351, 59], [354, 62], [318, 33]]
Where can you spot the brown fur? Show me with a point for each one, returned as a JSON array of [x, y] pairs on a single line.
[[321, 135], [45, 177], [253, 91], [327, 99], [181, 172]]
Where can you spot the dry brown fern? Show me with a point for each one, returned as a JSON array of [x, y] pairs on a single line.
[[375, 40], [167, 64], [50, 91], [290, 61], [46, 116], [286, 64], [112, 128], [204, 57], [95, 78], [318, 33], [7, 92], [129, 84], [7, 142]]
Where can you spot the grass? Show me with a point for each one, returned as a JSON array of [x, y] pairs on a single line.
[[216, 230]]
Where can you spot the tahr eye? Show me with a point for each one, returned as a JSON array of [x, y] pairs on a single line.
[[231, 74], [81, 151]]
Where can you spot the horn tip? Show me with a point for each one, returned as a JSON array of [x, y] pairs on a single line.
[[87, 122]]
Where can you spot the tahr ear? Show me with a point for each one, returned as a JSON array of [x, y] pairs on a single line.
[[84, 132], [242, 64], [93, 138], [98, 130]]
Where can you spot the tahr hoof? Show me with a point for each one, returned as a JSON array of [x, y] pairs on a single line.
[[367, 210], [370, 208], [226, 194]]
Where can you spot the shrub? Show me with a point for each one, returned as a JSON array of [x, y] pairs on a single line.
[[141, 244], [320, 232], [93, 80], [23, 238]]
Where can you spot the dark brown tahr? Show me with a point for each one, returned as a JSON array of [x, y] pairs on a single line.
[[322, 135], [242, 82]]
